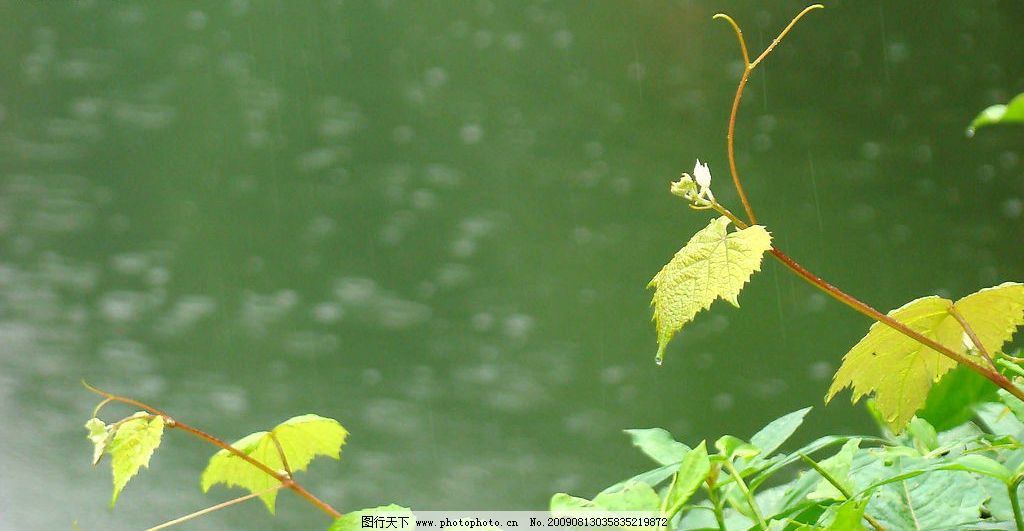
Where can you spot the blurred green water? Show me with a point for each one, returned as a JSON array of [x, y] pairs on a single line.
[[434, 221]]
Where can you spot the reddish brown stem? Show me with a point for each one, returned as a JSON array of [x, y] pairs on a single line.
[[730, 145], [170, 422], [834, 292]]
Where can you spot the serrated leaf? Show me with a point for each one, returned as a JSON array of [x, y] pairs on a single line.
[[693, 470], [302, 438], [1012, 112], [899, 371], [658, 444], [402, 518], [713, 264], [100, 435], [132, 446]]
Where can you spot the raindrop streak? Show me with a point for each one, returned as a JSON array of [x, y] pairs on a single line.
[[814, 188], [885, 43]]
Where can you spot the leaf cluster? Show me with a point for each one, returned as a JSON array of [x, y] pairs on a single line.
[[963, 477]]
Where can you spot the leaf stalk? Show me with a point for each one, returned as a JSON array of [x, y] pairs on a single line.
[[170, 422]]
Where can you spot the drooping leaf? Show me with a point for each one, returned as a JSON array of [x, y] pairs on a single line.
[[384, 517], [301, 438], [131, 447], [1012, 112], [693, 470], [658, 444], [713, 264], [899, 371], [100, 435], [951, 401]]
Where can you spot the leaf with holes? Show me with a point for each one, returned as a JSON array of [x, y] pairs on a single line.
[[301, 439], [714, 264], [899, 371]]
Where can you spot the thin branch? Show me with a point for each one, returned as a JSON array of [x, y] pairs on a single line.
[[731, 146], [860, 307], [280, 453], [839, 486], [739, 36], [778, 39], [748, 67], [285, 479], [217, 507], [974, 337], [748, 496]]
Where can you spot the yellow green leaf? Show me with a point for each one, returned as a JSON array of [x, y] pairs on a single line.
[[899, 371], [713, 264], [301, 438], [100, 434], [134, 441]]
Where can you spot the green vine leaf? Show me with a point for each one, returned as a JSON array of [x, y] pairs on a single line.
[[132, 445], [713, 264], [100, 434], [1012, 112], [301, 438], [899, 371]]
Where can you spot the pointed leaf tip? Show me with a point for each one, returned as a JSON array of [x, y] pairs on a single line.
[[131, 447], [714, 264]]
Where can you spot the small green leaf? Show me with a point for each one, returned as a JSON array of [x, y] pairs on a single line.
[[951, 401], [302, 438], [658, 444], [838, 468], [393, 517], [1012, 402], [1012, 112], [131, 447], [713, 264], [849, 516], [899, 371], [730, 447], [778, 431], [924, 435], [692, 472], [100, 434]]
